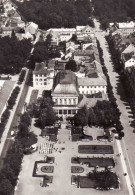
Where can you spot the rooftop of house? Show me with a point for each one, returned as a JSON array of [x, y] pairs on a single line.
[[126, 25], [40, 68], [80, 52], [97, 81]]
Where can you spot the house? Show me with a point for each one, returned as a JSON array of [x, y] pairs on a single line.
[[43, 76], [130, 62], [130, 49], [7, 31], [85, 31], [31, 27], [65, 93]]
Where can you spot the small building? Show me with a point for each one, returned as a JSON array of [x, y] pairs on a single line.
[[130, 62]]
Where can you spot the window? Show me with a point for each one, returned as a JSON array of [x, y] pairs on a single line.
[[82, 86], [40, 79], [65, 101], [60, 101], [69, 101], [60, 111], [69, 111], [44, 83], [87, 86], [65, 111]]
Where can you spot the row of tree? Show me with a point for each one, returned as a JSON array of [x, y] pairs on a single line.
[[21, 77], [56, 13], [13, 97], [110, 93], [127, 77], [13, 54], [114, 11], [12, 163]]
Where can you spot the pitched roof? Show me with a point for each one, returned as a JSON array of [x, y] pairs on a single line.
[[92, 81], [40, 68]]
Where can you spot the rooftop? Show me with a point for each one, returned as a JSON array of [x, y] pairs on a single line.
[[40, 68]]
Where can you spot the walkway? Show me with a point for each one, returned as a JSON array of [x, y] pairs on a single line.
[[127, 143]]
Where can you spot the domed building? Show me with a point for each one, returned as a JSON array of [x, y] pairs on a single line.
[[65, 93]]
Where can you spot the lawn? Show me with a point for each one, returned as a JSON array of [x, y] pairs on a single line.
[[93, 162], [95, 149]]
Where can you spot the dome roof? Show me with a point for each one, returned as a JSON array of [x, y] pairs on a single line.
[[65, 82]]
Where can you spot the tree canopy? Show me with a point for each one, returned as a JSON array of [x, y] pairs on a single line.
[[114, 10], [13, 54], [56, 13]]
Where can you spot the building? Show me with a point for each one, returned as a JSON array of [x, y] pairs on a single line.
[[43, 76], [130, 62], [65, 93], [32, 28], [92, 85], [126, 28]]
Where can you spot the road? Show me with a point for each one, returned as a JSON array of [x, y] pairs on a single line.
[[126, 116], [15, 120]]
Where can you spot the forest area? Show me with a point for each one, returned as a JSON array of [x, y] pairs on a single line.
[[56, 13], [114, 11]]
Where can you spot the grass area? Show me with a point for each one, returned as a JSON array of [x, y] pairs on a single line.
[[33, 96], [93, 162], [95, 149], [77, 169]]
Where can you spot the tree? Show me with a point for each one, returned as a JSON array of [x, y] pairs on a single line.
[[81, 118], [26, 119], [9, 174], [6, 187], [23, 130], [71, 65]]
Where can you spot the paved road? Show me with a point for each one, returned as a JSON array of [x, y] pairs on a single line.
[[127, 143]]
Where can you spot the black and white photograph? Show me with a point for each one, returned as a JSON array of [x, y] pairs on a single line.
[[67, 97]]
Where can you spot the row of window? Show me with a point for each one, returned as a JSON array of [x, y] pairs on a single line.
[[92, 86], [65, 102], [37, 83], [40, 79], [66, 111], [39, 75], [90, 92]]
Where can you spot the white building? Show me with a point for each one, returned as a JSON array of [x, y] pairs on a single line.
[[92, 85], [43, 76], [130, 62], [31, 27]]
